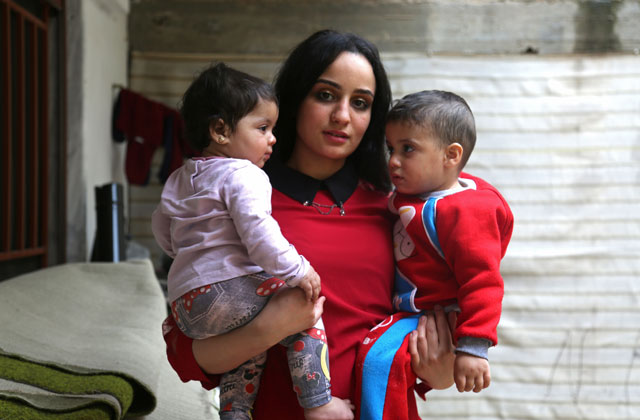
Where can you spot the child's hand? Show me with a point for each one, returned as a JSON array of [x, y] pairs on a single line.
[[310, 283], [471, 373]]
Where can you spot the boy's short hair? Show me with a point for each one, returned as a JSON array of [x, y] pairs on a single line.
[[222, 92], [446, 114]]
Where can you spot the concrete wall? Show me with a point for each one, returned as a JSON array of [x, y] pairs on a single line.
[[437, 26], [97, 47]]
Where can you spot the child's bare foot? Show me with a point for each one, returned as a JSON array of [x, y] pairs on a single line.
[[336, 409]]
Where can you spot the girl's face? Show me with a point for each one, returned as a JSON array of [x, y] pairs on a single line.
[[252, 138], [334, 116]]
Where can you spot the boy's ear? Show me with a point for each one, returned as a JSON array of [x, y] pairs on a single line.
[[453, 154], [218, 131]]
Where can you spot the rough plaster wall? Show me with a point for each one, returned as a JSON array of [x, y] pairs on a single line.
[[442, 26], [76, 192], [97, 45]]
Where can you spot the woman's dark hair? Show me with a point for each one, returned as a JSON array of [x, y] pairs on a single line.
[[296, 78], [220, 92]]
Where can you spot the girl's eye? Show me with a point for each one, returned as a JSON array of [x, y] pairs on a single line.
[[361, 104], [263, 128], [390, 149], [407, 149]]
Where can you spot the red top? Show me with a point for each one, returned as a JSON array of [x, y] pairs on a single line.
[[353, 255], [452, 254]]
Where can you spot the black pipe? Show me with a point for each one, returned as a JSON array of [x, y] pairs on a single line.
[[109, 244]]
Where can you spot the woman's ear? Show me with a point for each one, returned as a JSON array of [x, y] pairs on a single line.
[[453, 154], [218, 131]]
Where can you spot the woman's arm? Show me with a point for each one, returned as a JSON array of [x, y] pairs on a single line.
[[287, 313], [432, 350]]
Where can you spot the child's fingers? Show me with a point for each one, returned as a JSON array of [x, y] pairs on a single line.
[[487, 379], [461, 382], [478, 384], [317, 287], [308, 291], [470, 383]]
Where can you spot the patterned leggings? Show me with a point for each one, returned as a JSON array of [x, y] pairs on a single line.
[[220, 307]]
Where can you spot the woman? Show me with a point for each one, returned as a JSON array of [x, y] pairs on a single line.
[[330, 188]]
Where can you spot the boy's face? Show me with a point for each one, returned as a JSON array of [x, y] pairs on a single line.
[[417, 161]]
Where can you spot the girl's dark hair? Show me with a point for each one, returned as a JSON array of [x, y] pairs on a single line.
[[296, 78], [220, 92], [446, 115]]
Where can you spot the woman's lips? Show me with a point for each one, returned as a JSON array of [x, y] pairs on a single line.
[[336, 136]]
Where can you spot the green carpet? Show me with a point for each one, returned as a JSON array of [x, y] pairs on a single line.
[[84, 341], [18, 410], [81, 341], [89, 387]]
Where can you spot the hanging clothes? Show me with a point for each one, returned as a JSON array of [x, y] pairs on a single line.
[[146, 125]]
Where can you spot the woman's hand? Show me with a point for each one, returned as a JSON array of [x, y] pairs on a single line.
[[432, 350], [287, 313]]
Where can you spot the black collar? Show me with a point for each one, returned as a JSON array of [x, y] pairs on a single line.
[[303, 188]]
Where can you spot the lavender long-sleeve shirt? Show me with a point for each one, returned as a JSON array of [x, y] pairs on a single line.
[[214, 219]]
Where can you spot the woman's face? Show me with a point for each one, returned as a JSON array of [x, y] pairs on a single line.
[[334, 116]]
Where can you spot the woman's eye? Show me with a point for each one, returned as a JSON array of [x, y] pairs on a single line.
[[323, 95], [361, 104]]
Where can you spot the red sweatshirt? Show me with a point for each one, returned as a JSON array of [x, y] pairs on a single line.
[[448, 250]]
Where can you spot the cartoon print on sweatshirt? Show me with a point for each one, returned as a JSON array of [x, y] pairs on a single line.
[[403, 248]]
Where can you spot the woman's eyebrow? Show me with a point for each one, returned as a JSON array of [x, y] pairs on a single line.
[[337, 86]]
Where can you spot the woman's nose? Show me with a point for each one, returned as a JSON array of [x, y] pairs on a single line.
[[340, 113]]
